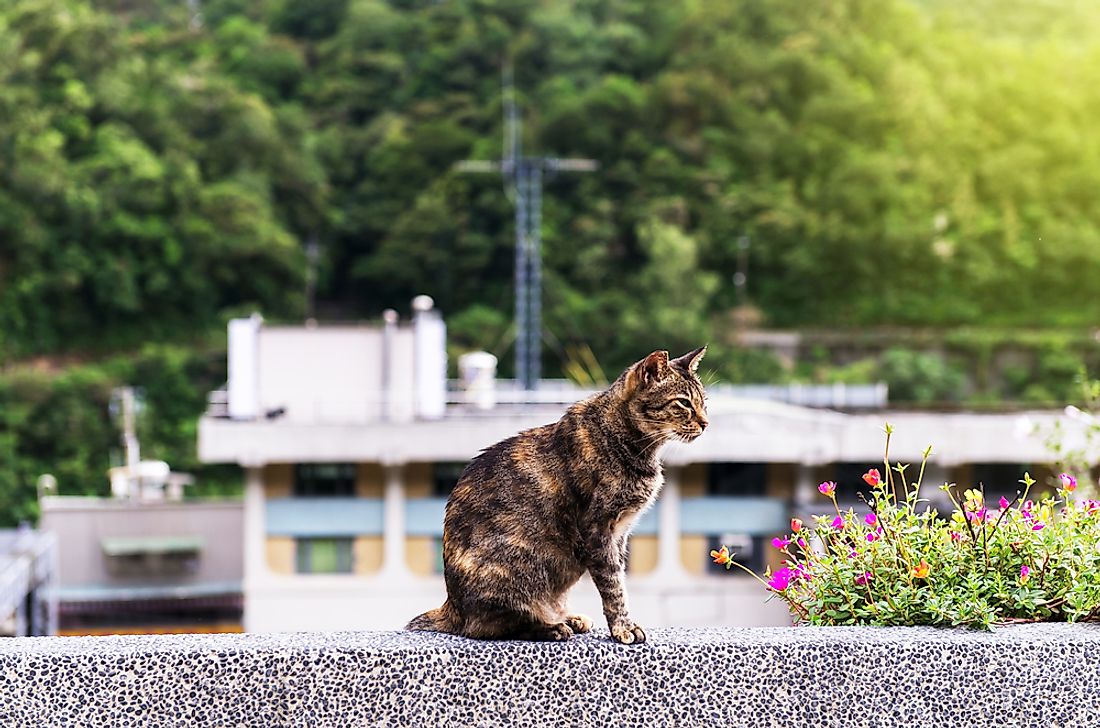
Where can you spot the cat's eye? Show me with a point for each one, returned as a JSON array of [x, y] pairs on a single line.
[[683, 402]]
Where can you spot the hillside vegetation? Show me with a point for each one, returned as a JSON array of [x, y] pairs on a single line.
[[914, 163]]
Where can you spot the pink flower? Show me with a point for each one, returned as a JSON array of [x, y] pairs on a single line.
[[870, 519], [1025, 574], [801, 572], [802, 544], [956, 536], [852, 554], [977, 516], [838, 523], [1039, 526], [1069, 483], [827, 488], [872, 536], [781, 579], [873, 478], [1003, 502], [796, 525], [863, 578], [781, 543]]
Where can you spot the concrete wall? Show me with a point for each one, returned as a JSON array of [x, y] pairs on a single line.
[[1034, 675], [81, 524], [321, 375]]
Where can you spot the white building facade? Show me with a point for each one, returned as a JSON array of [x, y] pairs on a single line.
[[350, 441]]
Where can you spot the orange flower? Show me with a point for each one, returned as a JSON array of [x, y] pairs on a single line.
[[873, 478], [921, 570], [796, 525], [721, 557]]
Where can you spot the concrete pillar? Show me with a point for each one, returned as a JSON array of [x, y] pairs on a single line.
[[669, 565], [255, 526], [393, 523], [805, 490]]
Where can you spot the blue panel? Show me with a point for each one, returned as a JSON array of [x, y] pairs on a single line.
[[713, 516], [424, 516], [321, 517], [647, 524]]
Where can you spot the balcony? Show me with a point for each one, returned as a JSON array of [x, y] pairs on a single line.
[[335, 517]]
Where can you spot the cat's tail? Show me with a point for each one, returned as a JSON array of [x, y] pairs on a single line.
[[442, 619]]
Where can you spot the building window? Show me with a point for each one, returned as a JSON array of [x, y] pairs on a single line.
[[445, 477], [999, 479], [747, 550], [851, 488], [323, 555], [324, 480], [737, 479]]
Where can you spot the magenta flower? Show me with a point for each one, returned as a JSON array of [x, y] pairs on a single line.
[[838, 523], [1025, 574], [781, 579], [872, 536], [956, 536], [801, 572], [977, 516], [827, 488], [1069, 483], [781, 543], [863, 578], [852, 554], [802, 544], [1003, 502], [1039, 526]]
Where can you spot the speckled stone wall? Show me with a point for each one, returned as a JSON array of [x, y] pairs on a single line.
[[1035, 675]]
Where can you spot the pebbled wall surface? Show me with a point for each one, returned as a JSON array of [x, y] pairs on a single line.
[[1031, 675]]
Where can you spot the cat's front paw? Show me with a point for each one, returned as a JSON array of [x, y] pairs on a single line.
[[579, 623], [628, 634]]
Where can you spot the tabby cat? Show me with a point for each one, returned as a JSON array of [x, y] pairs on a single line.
[[532, 513]]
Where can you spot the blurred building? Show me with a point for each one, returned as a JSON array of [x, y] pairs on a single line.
[[351, 438], [28, 571], [144, 560]]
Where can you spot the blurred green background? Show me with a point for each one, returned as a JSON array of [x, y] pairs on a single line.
[[917, 178]]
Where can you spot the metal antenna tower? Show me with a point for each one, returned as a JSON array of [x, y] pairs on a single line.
[[523, 185]]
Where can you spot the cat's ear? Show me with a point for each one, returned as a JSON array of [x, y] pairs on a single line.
[[690, 361], [652, 369]]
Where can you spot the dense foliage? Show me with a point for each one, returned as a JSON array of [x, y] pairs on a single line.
[[892, 161], [59, 422], [164, 165], [902, 563]]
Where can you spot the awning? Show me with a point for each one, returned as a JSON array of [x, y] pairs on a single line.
[[142, 545]]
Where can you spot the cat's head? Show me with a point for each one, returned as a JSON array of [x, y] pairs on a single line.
[[665, 398]]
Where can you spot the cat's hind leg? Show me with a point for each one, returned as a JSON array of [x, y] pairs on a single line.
[[496, 623], [579, 623], [557, 632]]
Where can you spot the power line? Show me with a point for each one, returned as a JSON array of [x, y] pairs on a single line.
[[523, 177]]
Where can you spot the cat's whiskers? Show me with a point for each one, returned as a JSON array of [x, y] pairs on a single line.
[[652, 438]]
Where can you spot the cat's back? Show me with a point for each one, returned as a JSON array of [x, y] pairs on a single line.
[[518, 466]]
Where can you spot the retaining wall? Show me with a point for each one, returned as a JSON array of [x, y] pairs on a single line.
[[1046, 675]]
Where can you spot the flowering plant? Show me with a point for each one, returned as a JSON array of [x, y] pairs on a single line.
[[904, 564]]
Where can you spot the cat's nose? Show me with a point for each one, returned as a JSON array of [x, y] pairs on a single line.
[[703, 422]]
